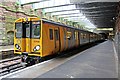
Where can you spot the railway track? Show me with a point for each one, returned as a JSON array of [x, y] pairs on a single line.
[[6, 54], [10, 65]]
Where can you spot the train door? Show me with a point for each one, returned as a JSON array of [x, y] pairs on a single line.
[[78, 38], [56, 39], [27, 31], [65, 39]]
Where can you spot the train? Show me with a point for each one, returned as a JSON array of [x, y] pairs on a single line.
[[36, 38]]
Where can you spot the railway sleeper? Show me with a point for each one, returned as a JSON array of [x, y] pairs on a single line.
[[11, 67]]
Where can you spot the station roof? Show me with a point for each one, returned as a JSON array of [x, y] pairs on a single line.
[[102, 13], [94, 13]]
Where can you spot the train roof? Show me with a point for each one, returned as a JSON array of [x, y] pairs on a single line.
[[56, 23], [63, 25]]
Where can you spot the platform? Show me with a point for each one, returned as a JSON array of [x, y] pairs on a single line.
[[99, 61], [96, 62], [6, 48]]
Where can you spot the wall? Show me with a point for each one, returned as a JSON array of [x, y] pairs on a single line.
[[10, 10], [117, 30]]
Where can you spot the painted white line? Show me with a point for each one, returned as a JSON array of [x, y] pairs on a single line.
[[116, 58]]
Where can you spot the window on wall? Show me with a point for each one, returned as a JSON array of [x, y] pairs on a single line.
[[51, 34], [56, 35]]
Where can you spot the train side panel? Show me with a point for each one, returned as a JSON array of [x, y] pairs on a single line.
[[47, 44], [50, 39]]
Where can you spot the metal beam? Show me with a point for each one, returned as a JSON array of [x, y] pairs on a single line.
[[63, 10], [96, 4], [114, 10], [102, 15], [91, 1], [109, 29], [66, 14], [55, 6], [103, 21], [107, 6], [34, 2], [76, 9], [98, 12], [97, 19], [90, 16], [72, 16]]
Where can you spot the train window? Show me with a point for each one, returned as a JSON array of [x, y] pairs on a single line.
[[75, 35], [81, 35], [69, 35], [51, 34], [18, 27], [56, 35], [27, 26], [85, 36], [91, 36], [36, 29]]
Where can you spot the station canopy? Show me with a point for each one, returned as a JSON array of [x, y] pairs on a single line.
[[92, 13]]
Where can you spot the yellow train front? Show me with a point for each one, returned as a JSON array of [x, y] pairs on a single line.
[[37, 38], [28, 39]]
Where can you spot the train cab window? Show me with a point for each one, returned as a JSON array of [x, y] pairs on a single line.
[[56, 35], [51, 34], [36, 29], [18, 28]]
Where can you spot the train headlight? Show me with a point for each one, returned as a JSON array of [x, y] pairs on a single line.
[[36, 48], [17, 46]]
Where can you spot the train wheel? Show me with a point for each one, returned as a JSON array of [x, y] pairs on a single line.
[[38, 60], [30, 61]]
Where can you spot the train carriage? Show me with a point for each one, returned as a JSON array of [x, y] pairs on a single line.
[[36, 38]]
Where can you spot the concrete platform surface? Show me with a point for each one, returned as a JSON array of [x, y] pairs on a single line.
[[96, 62], [99, 61]]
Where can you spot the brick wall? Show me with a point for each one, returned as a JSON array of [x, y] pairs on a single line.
[[117, 31], [27, 9], [8, 14], [118, 19]]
